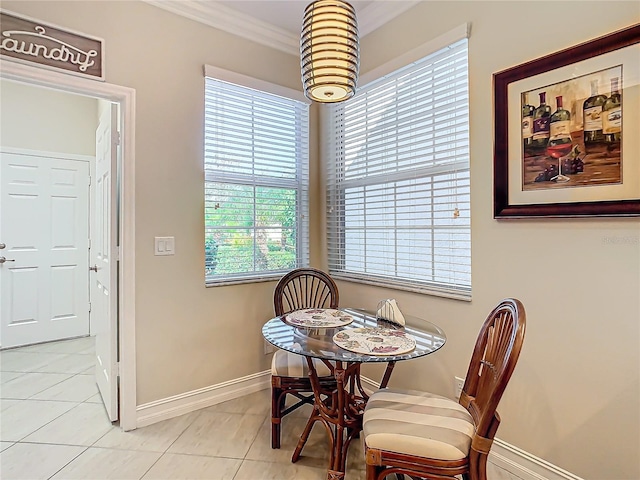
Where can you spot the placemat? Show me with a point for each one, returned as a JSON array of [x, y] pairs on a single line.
[[319, 318], [375, 341]]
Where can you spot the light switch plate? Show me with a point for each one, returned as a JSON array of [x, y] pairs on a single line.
[[458, 383], [165, 246]]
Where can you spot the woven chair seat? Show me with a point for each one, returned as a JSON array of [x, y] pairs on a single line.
[[412, 423], [287, 364]]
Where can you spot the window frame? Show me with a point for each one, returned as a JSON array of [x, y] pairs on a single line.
[[299, 183], [455, 291]]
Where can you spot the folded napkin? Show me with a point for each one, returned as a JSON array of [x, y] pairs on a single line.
[[388, 310]]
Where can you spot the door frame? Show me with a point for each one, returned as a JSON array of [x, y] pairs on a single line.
[[125, 97]]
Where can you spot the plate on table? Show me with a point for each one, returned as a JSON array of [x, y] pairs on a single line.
[[318, 318], [375, 341]]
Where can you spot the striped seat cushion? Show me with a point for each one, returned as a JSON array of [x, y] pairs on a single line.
[[287, 364], [417, 423]]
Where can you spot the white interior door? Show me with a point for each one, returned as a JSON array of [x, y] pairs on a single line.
[[44, 235], [104, 249]]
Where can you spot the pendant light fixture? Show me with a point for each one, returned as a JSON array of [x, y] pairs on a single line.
[[329, 51]]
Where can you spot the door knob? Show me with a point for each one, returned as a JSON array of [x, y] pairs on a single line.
[[2, 245], [2, 260], [94, 268]]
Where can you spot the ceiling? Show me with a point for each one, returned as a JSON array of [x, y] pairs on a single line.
[[276, 23], [280, 13]]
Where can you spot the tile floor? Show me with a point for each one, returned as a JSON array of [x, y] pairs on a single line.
[[53, 426]]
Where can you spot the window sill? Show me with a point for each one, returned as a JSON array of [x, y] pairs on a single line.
[[243, 280]]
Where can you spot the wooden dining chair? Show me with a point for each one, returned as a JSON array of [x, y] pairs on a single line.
[[298, 289], [423, 435]]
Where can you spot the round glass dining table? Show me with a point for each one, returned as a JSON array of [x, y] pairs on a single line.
[[341, 409]]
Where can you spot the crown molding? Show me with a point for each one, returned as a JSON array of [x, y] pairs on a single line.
[[229, 20], [376, 14]]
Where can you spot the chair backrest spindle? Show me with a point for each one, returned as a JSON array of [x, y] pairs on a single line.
[[305, 288], [494, 358]]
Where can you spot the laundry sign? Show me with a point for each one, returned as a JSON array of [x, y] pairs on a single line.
[[30, 41]]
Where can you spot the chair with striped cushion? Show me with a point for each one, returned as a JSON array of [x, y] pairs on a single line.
[[428, 436], [298, 289]]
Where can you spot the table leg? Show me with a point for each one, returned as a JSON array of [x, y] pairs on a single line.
[[387, 374], [338, 453], [340, 413]]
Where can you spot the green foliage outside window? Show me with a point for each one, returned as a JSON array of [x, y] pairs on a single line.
[[251, 229]]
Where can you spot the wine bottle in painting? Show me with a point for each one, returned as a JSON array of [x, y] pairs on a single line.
[[527, 122], [541, 116], [559, 121], [612, 114], [592, 118]]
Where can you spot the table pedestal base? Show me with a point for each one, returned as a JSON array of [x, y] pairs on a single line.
[[340, 411]]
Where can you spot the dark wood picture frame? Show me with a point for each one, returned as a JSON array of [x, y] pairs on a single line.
[[503, 207]]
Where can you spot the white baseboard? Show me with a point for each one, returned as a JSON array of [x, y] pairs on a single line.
[[525, 465], [510, 458], [177, 405], [369, 385]]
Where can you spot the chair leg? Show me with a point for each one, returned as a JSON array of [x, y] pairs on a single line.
[[372, 472], [482, 467], [276, 415]]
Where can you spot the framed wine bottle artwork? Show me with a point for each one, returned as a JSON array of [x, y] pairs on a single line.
[[567, 132]]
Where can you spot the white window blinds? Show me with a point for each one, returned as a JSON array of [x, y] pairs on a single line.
[[398, 180], [256, 183]]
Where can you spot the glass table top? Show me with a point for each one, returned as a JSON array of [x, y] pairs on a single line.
[[318, 342]]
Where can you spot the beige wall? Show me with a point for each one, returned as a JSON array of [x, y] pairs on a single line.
[[574, 397], [187, 336], [46, 120]]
